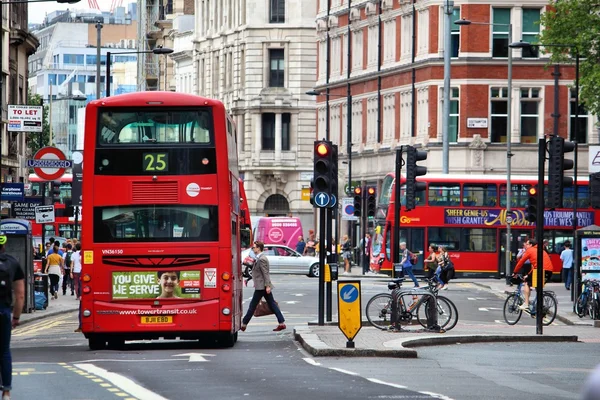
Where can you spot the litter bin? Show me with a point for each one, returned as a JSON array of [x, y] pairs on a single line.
[[40, 284]]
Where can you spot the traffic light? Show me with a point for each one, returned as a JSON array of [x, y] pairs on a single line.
[[358, 195], [371, 201], [595, 190], [55, 192], [532, 205], [412, 171], [334, 171], [322, 167], [556, 169], [312, 191]]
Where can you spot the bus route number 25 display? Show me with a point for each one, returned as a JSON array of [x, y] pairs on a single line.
[[155, 162]]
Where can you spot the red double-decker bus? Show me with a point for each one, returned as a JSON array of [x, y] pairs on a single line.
[[64, 221], [467, 215], [161, 242]]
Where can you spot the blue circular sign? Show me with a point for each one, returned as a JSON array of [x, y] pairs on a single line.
[[349, 209], [349, 293]]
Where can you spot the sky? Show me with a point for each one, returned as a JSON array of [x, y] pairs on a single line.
[[38, 11]]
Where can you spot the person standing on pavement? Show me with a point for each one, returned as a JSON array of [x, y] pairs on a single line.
[[367, 245], [531, 255], [262, 288], [310, 248], [76, 270], [67, 279], [301, 245], [12, 280], [566, 257], [406, 264], [54, 268], [346, 253]]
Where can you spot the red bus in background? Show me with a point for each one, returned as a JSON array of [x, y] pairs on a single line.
[[246, 223], [64, 225], [467, 215], [161, 242]]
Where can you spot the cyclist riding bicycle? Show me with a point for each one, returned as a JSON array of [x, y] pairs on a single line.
[[531, 255]]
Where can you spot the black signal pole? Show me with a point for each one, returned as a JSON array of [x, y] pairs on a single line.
[[397, 206], [539, 233]]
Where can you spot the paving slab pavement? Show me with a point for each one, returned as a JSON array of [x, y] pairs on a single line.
[[62, 305]]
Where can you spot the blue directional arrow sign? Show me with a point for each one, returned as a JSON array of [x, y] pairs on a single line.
[[332, 201], [322, 199], [349, 308]]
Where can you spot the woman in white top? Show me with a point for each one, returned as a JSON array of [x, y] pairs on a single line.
[[76, 269]]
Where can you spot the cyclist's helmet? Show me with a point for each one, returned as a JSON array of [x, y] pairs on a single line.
[[3, 240]]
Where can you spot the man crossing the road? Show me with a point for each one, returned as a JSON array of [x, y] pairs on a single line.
[[11, 280]]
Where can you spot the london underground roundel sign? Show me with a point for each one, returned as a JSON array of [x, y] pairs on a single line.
[[49, 163]]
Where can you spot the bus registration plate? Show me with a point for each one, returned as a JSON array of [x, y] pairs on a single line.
[[164, 319]]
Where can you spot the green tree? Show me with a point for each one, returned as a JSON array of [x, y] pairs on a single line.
[[33, 140], [576, 23]]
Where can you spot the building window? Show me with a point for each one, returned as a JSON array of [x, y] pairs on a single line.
[[61, 78], [277, 12], [500, 28], [499, 114], [455, 32], [531, 31], [51, 79], [268, 131], [579, 132], [90, 59], [91, 78], [276, 60], [285, 131], [529, 114], [454, 114]]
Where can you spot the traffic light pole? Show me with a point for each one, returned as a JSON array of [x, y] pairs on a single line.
[[397, 206], [322, 254], [328, 285], [539, 233]]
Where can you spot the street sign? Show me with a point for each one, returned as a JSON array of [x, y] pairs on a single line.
[[348, 209], [49, 163], [322, 199], [332, 201], [25, 118], [13, 192], [44, 214], [349, 310]]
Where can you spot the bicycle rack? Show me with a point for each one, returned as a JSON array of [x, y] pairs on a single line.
[[399, 293]]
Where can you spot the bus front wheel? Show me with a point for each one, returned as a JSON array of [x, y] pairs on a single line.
[[228, 339], [96, 343]]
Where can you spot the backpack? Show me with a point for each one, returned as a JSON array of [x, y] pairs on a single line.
[[449, 269], [5, 279], [413, 258], [68, 260]]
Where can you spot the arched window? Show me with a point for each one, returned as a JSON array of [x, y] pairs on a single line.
[[276, 205]]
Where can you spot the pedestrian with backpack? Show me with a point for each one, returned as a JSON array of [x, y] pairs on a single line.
[[67, 280], [12, 280], [407, 263]]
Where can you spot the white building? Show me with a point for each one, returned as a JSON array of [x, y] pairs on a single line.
[[260, 61]]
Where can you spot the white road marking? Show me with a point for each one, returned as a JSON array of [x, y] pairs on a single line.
[[291, 302], [437, 395], [311, 361], [125, 384], [483, 309], [195, 357], [386, 383], [344, 371], [298, 295]]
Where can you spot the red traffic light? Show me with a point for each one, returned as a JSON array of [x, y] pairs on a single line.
[[322, 149], [357, 190], [532, 191], [371, 190]]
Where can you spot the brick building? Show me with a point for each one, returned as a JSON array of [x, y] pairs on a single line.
[[382, 58]]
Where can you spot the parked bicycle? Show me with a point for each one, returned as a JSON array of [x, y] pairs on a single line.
[[588, 302], [512, 312], [411, 305]]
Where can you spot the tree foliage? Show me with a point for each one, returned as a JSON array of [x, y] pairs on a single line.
[[33, 141], [576, 24]]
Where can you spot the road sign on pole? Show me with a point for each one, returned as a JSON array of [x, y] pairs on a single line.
[[322, 199], [49, 163], [349, 310], [44, 214], [348, 209]]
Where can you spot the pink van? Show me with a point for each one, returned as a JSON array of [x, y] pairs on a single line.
[[279, 230]]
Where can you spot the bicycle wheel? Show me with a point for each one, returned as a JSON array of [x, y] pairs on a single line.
[[548, 309], [581, 305], [592, 308], [512, 312], [379, 310], [447, 313]]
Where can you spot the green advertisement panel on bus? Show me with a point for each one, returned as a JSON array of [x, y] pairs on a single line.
[[167, 284]]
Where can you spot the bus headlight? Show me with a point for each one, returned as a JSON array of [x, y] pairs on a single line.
[[226, 276], [226, 311], [87, 313]]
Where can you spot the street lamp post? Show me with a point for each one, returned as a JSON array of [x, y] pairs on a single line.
[[2, 88], [509, 154], [158, 50], [448, 10]]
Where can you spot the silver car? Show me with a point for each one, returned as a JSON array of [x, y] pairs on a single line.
[[282, 259]]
